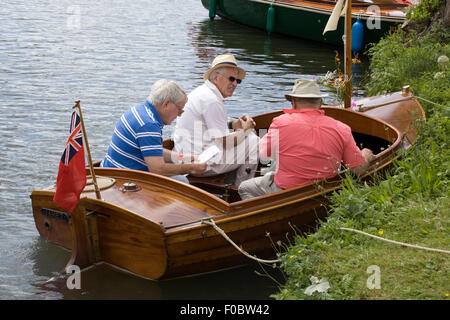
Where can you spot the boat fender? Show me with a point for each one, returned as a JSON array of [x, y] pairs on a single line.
[[357, 36], [212, 9], [270, 23]]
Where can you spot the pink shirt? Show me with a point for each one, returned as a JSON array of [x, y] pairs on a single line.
[[308, 145]]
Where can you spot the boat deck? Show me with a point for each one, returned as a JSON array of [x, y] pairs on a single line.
[[159, 199]]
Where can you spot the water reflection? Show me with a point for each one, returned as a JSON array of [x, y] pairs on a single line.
[[105, 282], [254, 46], [251, 281]]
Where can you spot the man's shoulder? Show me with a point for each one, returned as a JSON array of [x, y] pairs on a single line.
[[203, 92], [339, 127], [287, 117], [140, 116], [138, 108]]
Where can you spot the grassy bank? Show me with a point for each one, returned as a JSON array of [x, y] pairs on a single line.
[[410, 206]]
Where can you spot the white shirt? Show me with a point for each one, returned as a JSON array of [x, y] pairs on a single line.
[[203, 121]]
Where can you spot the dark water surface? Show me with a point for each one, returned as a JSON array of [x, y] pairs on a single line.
[[107, 53]]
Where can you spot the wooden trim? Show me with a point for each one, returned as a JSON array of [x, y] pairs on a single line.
[[326, 7]]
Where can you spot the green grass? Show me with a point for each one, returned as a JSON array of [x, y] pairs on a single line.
[[343, 257], [410, 205]]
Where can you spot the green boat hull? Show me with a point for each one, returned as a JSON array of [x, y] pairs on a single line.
[[294, 22]]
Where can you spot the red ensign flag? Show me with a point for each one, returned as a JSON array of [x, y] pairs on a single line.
[[71, 173]]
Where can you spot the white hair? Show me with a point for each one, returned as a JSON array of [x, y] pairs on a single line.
[[165, 89]]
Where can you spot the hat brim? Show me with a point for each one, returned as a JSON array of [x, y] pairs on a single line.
[[290, 96], [241, 71]]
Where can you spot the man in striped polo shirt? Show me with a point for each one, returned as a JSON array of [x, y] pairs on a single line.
[[137, 139]]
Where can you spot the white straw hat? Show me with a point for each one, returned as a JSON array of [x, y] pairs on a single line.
[[224, 60], [305, 89]]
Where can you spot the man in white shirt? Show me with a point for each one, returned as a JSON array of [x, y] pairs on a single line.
[[204, 123]]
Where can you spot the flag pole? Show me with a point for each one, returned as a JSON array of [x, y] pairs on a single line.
[[348, 56], [332, 25], [91, 167]]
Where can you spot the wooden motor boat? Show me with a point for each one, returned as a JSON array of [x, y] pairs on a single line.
[[159, 228], [307, 18]]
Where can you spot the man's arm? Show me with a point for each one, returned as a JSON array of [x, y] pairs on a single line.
[[171, 156], [159, 166]]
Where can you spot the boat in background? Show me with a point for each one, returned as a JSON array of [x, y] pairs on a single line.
[[307, 19], [160, 228]]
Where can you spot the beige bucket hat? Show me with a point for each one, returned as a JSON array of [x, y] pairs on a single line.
[[304, 88], [224, 60]]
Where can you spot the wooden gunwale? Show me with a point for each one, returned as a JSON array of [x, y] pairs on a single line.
[[253, 210], [387, 12], [360, 126], [333, 3]]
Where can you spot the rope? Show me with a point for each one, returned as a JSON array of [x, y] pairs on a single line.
[[396, 242], [362, 108], [223, 234], [437, 104]]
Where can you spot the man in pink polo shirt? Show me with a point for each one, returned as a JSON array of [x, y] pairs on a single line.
[[306, 144]]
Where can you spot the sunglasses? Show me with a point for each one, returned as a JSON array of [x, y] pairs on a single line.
[[232, 79], [180, 108]]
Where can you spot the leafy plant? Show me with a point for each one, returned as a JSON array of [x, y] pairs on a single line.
[[424, 11], [404, 58]]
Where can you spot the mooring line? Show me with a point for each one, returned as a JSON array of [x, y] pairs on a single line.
[[223, 234], [436, 104], [396, 242], [365, 108]]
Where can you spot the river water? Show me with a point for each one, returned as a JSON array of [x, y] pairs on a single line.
[[107, 53]]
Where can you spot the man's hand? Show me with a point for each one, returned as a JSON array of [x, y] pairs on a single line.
[[368, 154], [244, 123], [236, 124], [159, 166], [361, 169], [247, 123]]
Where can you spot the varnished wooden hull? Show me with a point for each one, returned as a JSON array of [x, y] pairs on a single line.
[[158, 232]]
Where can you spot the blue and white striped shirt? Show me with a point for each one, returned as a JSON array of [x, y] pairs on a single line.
[[138, 134]]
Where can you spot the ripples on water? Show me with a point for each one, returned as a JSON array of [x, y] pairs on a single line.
[[108, 56]]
